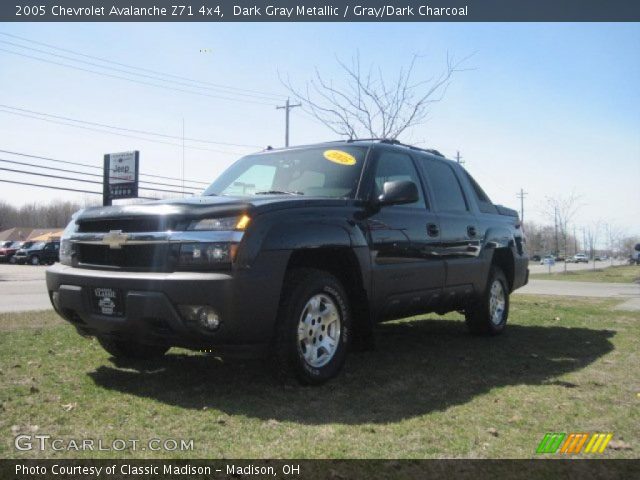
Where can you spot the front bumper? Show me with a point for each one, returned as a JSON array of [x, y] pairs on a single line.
[[246, 302]]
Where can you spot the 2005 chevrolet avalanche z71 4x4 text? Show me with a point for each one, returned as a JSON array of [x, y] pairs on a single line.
[[295, 253]]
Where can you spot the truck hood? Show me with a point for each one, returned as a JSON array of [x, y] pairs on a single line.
[[203, 206]]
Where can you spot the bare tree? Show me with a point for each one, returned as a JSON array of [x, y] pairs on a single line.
[[614, 235], [592, 232], [562, 209], [366, 104]]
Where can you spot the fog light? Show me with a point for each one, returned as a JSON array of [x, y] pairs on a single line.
[[205, 316], [208, 318]]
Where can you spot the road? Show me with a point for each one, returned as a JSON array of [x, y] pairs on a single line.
[[534, 267], [22, 287]]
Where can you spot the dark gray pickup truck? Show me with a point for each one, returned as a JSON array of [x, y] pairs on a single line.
[[294, 253]]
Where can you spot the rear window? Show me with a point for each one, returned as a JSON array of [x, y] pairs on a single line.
[[484, 202]]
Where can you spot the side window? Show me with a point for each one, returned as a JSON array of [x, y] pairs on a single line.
[[397, 166], [444, 185]]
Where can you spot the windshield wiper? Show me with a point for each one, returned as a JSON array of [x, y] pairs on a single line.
[[278, 192]]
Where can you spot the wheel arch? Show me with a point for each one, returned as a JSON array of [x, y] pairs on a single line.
[[503, 258], [346, 264]]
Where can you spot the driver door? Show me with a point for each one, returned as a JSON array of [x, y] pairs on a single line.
[[408, 274]]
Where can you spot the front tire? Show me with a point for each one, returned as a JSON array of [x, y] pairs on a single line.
[[488, 316], [121, 349], [35, 260], [314, 327]]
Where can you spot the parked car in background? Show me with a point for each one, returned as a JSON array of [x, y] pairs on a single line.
[[8, 250], [548, 260], [46, 253], [536, 258], [578, 258]]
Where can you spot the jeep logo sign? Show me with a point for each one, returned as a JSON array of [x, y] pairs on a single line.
[[120, 176]]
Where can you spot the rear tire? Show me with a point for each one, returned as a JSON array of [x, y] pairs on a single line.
[[488, 316], [314, 327], [121, 349]]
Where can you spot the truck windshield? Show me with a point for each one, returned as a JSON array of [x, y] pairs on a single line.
[[325, 172]]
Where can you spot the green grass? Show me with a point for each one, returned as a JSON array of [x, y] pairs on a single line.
[[613, 274], [429, 391]]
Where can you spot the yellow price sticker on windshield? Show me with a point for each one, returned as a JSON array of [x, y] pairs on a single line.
[[339, 157]]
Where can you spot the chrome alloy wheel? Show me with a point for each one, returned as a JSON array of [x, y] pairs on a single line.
[[497, 302], [319, 330]]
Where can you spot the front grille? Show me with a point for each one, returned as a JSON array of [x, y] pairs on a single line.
[[153, 257], [142, 224]]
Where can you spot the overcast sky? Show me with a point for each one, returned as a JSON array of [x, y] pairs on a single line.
[[551, 108]]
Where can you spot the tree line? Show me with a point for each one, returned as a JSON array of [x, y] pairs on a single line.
[[56, 214]]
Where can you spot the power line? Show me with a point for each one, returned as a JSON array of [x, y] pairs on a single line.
[[84, 180], [262, 97], [224, 152], [142, 82], [145, 132], [92, 166], [102, 59], [25, 164], [50, 186]]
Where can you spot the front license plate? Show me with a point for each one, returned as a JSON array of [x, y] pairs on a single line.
[[107, 301]]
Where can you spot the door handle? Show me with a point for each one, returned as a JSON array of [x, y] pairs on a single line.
[[471, 231], [433, 230]]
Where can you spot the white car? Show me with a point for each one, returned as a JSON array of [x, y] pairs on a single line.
[[579, 258]]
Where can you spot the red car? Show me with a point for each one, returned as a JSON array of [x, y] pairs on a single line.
[[9, 249]]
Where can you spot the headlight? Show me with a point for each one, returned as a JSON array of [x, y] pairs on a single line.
[[66, 247], [207, 255], [224, 223]]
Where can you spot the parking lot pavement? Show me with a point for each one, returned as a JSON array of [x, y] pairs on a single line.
[[22, 288], [535, 267], [581, 289]]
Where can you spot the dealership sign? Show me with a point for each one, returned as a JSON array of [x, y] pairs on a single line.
[[120, 176]]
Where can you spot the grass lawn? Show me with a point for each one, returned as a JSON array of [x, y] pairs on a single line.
[[613, 274], [429, 391]]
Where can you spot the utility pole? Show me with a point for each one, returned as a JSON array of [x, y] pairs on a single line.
[[287, 108], [183, 164], [521, 196], [555, 226], [459, 158]]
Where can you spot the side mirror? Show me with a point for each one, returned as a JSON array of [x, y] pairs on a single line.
[[398, 193]]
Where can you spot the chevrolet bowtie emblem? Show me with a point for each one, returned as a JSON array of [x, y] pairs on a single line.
[[115, 239]]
